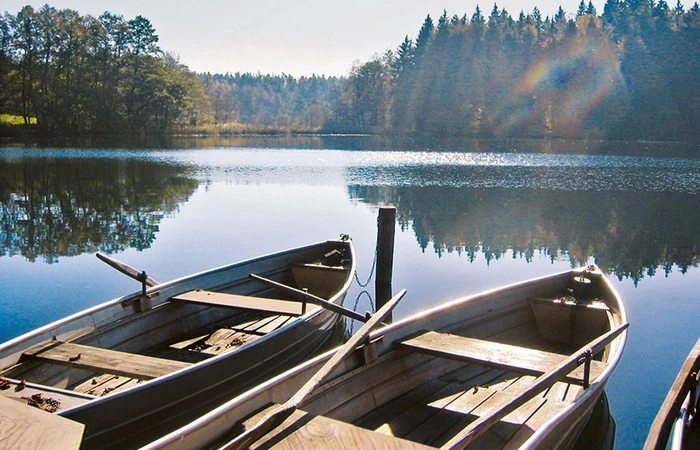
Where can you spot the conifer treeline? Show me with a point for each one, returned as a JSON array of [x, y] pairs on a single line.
[[277, 101], [632, 72]]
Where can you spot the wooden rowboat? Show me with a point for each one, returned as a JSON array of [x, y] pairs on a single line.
[[136, 367], [516, 367], [678, 415]]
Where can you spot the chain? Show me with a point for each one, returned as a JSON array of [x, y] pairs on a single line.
[[357, 302], [374, 265], [371, 272]]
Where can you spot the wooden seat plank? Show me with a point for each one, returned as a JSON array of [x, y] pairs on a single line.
[[104, 360], [290, 308], [513, 358], [305, 430], [26, 427]]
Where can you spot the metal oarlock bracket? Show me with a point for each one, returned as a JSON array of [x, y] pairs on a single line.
[[142, 278], [587, 358]]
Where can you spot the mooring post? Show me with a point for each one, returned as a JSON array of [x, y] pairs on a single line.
[[386, 225]]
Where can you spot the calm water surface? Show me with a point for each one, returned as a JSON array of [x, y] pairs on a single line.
[[467, 221]]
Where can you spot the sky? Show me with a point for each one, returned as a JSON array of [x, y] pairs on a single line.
[[296, 37]]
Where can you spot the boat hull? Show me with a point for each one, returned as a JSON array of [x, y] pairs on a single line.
[[151, 408], [364, 389]]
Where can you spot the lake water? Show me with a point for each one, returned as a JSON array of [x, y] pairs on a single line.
[[471, 215]]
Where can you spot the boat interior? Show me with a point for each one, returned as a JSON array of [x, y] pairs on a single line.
[[429, 387], [188, 328]]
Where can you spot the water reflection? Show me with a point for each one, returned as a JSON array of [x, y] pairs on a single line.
[[50, 208], [633, 215], [373, 143], [629, 234]]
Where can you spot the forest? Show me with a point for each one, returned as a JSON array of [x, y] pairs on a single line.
[[625, 73]]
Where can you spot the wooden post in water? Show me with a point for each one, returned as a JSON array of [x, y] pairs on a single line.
[[386, 226]]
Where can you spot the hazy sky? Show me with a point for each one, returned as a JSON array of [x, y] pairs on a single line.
[[298, 37]]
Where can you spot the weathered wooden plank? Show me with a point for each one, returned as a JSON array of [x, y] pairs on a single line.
[[64, 399], [481, 425], [493, 354], [557, 398], [484, 402], [241, 301], [455, 408], [103, 385], [273, 325], [104, 360], [186, 343], [26, 427], [304, 430], [376, 417], [401, 423]]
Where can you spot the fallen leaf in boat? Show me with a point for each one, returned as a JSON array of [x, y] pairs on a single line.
[[44, 403]]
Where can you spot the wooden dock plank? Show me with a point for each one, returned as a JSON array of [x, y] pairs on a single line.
[[104, 360], [26, 427], [210, 298], [513, 358]]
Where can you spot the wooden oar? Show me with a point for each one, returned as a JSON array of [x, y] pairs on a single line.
[[312, 298], [128, 270], [281, 413]]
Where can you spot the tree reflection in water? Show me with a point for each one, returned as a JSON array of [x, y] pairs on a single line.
[[51, 208], [629, 233]]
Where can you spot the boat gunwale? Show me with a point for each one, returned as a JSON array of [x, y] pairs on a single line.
[[264, 390], [44, 329]]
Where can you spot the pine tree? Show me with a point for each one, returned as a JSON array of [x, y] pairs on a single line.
[[581, 9], [424, 35], [590, 9], [478, 18]]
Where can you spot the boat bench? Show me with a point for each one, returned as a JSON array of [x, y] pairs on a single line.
[[305, 430], [290, 308], [103, 360], [512, 358], [23, 426]]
